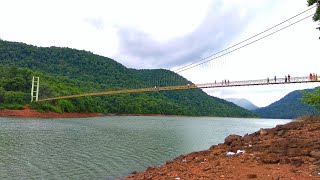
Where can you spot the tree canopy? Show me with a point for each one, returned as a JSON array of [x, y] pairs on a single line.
[[316, 16], [312, 98]]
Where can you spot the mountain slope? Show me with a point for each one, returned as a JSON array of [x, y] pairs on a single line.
[[69, 71], [244, 103], [288, 107]]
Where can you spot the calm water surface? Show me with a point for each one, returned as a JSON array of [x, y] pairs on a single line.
[[108, 147]]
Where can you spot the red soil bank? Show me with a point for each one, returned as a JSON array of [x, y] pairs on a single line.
[[30, 113]]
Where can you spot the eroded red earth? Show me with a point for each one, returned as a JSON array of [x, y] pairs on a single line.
[[30, 113]]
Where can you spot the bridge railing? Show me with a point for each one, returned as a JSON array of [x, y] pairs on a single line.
[[226, 83]]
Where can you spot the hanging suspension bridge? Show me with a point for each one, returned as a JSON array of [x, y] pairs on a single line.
[[156, 84], [221, 84]]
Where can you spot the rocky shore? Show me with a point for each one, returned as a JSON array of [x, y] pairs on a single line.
[[290, 151]]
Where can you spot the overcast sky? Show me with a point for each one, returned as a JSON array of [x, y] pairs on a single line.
[[172, 33]]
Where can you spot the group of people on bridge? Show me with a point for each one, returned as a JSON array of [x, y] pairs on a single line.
[[313, 77], [286, 79]]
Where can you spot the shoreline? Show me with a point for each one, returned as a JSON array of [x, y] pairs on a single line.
[[289, 151], [31, 113]]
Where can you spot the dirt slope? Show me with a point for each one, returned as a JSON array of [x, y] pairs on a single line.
[[30, 113]]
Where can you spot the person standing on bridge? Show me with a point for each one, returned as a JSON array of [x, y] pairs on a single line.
[[285, 79], [288, 77], [268, 80], [310, 76], [275, 79]]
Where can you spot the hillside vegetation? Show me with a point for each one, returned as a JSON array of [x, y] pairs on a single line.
[[65, 71], [289, 107]]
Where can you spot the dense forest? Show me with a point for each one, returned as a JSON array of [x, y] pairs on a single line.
[[65, 71]]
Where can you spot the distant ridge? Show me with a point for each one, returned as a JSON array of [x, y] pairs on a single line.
[[244, 103]]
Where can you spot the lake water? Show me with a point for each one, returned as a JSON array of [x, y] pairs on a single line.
[[108, 147]]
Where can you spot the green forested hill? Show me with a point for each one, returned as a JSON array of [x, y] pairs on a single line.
[[289, 107], [65, 71]]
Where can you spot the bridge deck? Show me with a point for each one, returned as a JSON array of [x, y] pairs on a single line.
[[194, 86]]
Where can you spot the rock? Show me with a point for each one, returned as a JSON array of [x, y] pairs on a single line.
[[316, 173], [289, 126], [247, 138], [232, 138], [292, 125], [281, 132], [263, 132], [206, 168], [293, 152], [222, 176], [284, 161], [251, 176], [269, 158], [315, 154], [169, 162], [296, 161], [150, 168], [316, 162]]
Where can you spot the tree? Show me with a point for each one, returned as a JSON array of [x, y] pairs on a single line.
[[2, 93], [12, 97], [312, 98], [316, 16]]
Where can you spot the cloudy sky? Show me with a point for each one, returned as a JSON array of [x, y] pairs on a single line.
[[170, 34]]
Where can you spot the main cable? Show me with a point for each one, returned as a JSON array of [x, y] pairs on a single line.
[[245, 44], [181, 68]]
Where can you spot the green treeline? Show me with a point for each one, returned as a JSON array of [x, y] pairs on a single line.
[[65, 71]]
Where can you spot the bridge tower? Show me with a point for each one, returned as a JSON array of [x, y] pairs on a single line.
[[35, 89]]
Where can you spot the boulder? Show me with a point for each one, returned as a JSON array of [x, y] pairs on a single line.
[[231, 138], [281, 132], [263, 132], [315, 154], [270, 158]]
